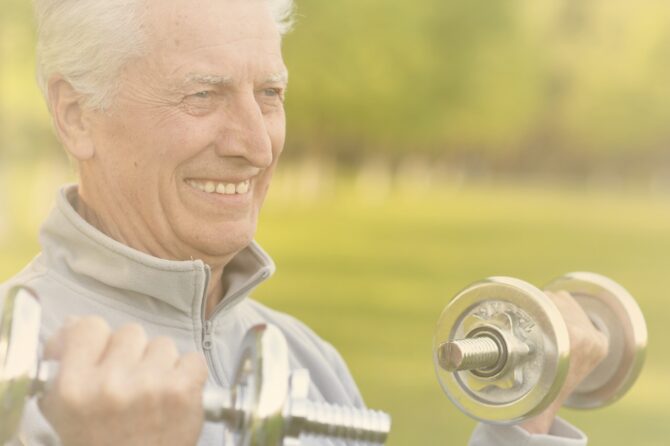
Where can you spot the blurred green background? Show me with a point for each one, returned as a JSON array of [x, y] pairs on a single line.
[[432, 144]]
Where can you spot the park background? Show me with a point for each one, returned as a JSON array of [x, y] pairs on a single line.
[[432, 144]]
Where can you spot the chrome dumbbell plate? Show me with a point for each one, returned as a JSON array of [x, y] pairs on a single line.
[[615, 313], [19, 343], [261, 387], [536, 356]]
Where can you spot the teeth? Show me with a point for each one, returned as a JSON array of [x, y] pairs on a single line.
[[220, 188], [242, 188]]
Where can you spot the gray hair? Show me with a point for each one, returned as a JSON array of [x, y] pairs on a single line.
[[88, 42]]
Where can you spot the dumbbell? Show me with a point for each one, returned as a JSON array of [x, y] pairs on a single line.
[[266, 406], [501, 348]]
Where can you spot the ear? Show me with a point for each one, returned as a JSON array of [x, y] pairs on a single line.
[[70, 119]]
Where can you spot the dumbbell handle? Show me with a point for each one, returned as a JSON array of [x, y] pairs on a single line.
[[215, 400], [307, 417], [304, 417]]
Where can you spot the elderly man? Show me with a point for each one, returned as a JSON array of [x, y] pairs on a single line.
[[173, 112]]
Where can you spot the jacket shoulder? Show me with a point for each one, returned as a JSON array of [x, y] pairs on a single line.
[[28, 276]]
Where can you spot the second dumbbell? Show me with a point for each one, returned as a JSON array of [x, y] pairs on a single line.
[[501, 348]]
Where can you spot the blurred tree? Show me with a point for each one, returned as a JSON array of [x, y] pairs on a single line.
[[571, 81], [24, 121], [558, 84]]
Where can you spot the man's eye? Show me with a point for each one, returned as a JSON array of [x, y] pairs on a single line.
[[273, 92], [200, 102]]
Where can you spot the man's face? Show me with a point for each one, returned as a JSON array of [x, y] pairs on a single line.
[[190, 143]]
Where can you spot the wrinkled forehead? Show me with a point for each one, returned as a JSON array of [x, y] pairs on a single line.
[[197, 23], [213, 36]]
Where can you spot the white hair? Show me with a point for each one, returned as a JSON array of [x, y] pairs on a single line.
[[88, 42]]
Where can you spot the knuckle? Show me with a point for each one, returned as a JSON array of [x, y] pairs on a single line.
[[114, 396], [579, 338], [197, 367], [589, 344], [181, 393], [53, 346], [196, 360], [130, 336], [71, 393], [600, 346], [149, 392], [132, 330], [164, 344], [93, 323], [85, 328]]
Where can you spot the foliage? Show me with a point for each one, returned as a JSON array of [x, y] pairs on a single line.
[[495, 76], [518, 84]]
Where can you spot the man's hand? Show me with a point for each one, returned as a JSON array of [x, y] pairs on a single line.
[[119, 388], [588, 347]]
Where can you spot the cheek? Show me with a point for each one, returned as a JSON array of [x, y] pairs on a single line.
[[277, 131], [117, 159], [172, 143], [131, 139]]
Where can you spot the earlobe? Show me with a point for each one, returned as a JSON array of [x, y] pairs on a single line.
[[70, 119]]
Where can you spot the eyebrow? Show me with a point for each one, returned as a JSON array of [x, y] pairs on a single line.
[[280, 77], [209, 79]]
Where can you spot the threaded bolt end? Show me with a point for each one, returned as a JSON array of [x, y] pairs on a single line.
[[341, 422], [469, 354]]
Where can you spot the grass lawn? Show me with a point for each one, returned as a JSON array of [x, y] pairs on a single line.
[[372, 276]]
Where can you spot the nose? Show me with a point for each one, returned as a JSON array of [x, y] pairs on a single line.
[[244, 133]]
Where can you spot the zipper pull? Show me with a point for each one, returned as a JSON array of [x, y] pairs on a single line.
[[207, 336]]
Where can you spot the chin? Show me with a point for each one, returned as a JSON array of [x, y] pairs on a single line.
[[225, 242]]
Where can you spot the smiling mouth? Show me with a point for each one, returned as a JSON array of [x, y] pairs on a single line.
[[221, 188]]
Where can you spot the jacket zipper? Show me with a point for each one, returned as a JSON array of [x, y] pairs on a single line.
[[207, 344], [207, 339], [207, 336], [207, 324]]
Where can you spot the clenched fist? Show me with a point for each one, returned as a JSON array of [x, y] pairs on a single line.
[[119, 387], [588, 347]]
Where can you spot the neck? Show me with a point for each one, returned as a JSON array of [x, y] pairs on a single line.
[[111, 215], [143, 241], [215, 291]]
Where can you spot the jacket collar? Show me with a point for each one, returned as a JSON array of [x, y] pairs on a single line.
[[77, 250]]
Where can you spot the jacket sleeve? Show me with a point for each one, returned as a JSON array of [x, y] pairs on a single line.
[[561, 433]]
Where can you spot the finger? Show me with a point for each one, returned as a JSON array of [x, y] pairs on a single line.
[[78, 345], [193, 367], [53, 347], [570, 309], [81, 343], [584, 334], [160, 353], [71, 320], [125, 347]]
